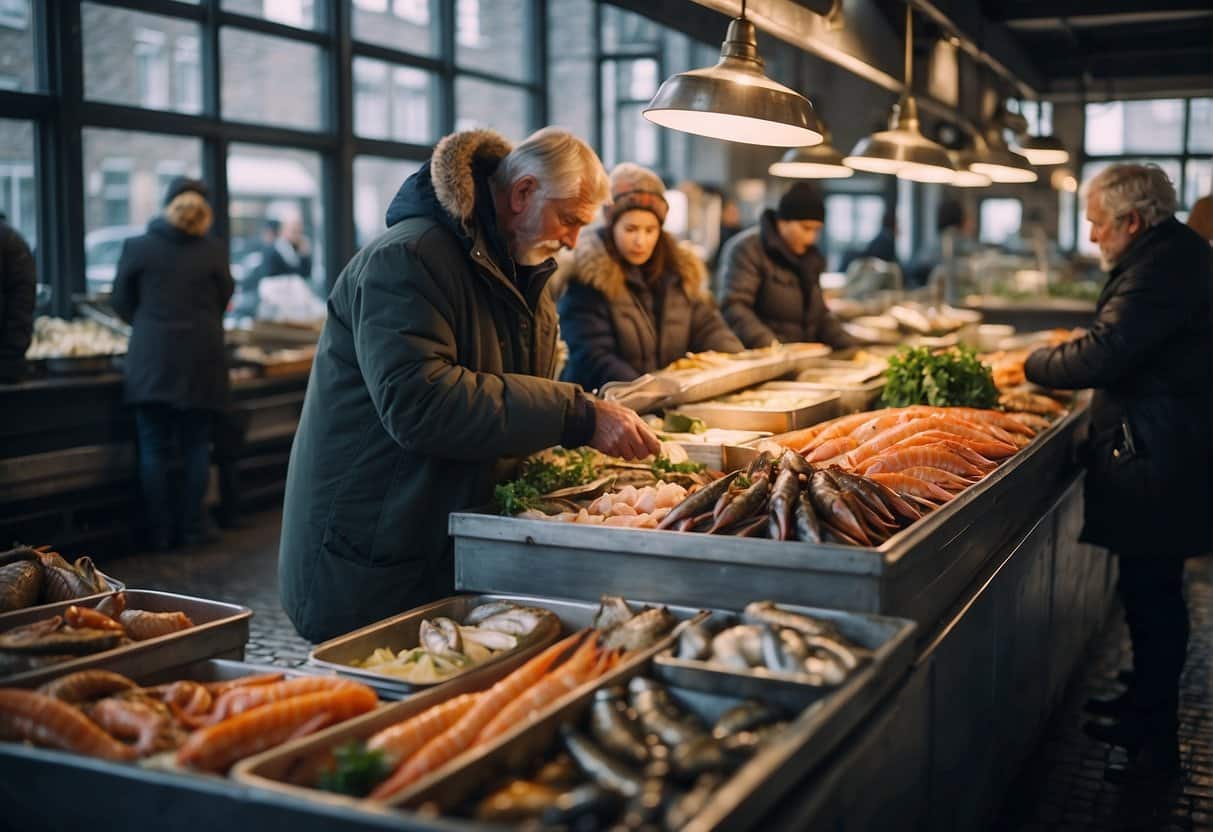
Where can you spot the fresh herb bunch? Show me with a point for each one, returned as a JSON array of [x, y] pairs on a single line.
[[663, 465], [537, 477], [355, 770], [953, 378]]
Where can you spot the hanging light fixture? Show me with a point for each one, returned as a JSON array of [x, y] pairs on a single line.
[[902, 149], [735, 100], [822, 161], [1043, 150], [965, 178], [997, 161]]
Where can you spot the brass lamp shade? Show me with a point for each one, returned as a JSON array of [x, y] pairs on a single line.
[[821, 161], [734, 100], [903, 150], [993, 158], [964, 177], [1043, 150]]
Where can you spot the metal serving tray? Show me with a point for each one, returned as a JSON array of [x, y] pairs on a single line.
[[279, 768], [917, 573], [853, 397], [401, 632], [220, 630], [41, 609], [738, 416]]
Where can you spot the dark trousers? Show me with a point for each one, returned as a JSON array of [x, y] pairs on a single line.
[[172, 514], [1151, 590]]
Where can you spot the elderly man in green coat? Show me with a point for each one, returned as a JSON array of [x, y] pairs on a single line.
[[436, 362]]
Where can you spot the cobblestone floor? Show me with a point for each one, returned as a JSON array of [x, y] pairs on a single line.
[[1060, 788]]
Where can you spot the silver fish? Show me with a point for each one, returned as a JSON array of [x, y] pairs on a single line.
[[743, 717], [488, 610], [516, 622], [695, 643], [641, 631], [841, 652], [612, 612], [599, 767], [773, 654], [738, 647], [766, 612], [492, 639], [659, 715], [613, 730]]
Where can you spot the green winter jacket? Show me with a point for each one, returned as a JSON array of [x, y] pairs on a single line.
[[432, 366]]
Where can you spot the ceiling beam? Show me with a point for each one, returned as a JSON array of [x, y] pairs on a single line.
[[1012, 10]]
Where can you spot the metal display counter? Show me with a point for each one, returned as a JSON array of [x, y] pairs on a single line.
[[1033, 314]]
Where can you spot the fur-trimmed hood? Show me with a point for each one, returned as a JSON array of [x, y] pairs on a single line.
[[594, 266], [449, 179]]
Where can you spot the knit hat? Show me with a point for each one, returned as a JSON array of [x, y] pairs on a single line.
[[802, 202], [633, 188], [181, 184]]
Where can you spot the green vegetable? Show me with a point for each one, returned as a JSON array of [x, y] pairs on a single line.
[[355, 770], [662, 465], [681, 423], [954, 378], [537, 477]]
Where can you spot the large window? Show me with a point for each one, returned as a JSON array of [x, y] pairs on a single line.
[[852, 221], [1000, 219], [18, 191], [376, 181], [272, 80], [17, 64], [1173, 133], [407, 25], [395, 102]]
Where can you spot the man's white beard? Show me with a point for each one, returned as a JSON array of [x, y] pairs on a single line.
[[529, 248]]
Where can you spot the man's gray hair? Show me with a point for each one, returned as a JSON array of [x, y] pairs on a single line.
[[1145, 189], [563, 164]]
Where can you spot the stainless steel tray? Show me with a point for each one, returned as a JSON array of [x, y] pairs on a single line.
[[853, 398], [278, 769], [6, 618], [220, 630], [916, 574], [740, 416], [401, 632]]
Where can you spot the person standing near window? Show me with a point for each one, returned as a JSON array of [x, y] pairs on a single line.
[[172, 285], [1149, 449], [18, 289], [637, 299], [771, 276]]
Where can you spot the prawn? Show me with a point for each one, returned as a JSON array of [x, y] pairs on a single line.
[[912, 486], [142, 624], [42, 719], [216, 747], [237, 701], [88, 618], [933, 456], [399, 741], [85, 685]]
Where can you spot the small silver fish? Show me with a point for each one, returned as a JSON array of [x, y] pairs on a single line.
[[488, 610], [612, 611]]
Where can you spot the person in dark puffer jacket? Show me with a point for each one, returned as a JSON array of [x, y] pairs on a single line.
[[770, 276], [18, 289], [637, 299], [173, 284], [1149, 452]]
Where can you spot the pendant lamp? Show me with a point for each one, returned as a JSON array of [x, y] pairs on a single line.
[[734, 100], [822, 161], [902, 149], [965, 178], [1043, 150], [997, 161]]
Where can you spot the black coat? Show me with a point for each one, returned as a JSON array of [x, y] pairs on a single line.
[[618, 327], [771, 294], [435, 363], [1149, 356], [173, 286], [273, 264], [18, 289]]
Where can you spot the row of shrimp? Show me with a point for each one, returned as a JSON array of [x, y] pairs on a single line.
[[209, 725], [926, 453], [426, 742]]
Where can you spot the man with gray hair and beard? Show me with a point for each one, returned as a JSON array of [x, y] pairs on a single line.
[[1149, 356], [436, 362]]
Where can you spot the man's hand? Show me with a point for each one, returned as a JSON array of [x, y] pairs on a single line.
[[618, 431]]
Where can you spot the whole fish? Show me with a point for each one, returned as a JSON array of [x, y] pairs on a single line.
[[744, 505], [842, 652], [695, 643], [743, 717], [766, 612], [613, 730], [655, 708], [612, 611], [783, 503], [641, 631], [899, 506], [808, 524], [699, 502], [701, 754], [773, 654], [738, 647], [760, 466], [792, 461], [598, 766], [863, 490], [683, 810], [725, 498], [828, 501]]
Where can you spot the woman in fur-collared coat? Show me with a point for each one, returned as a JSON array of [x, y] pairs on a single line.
[[636, 299]]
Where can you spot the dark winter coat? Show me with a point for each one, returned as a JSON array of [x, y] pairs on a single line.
[[172, 285], [274, 263], [18, 289], [1149, 356], [771, 294], [618, 327], [434, 363]]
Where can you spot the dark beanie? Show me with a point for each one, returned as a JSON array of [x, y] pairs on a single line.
[[949, 215], [181, 184], [802, 202]]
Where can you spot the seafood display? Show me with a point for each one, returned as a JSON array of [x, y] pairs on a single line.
[[58, 338], [785, 497], [639, 758], [194, 725], [629, 507], [29, 577], [82, 631], [776, 640], [447, 648]]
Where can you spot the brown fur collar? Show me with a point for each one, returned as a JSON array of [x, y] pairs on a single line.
[[458, 159], [596, 268]]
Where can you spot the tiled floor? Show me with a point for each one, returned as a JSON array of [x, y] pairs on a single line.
[[1060, 788]]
